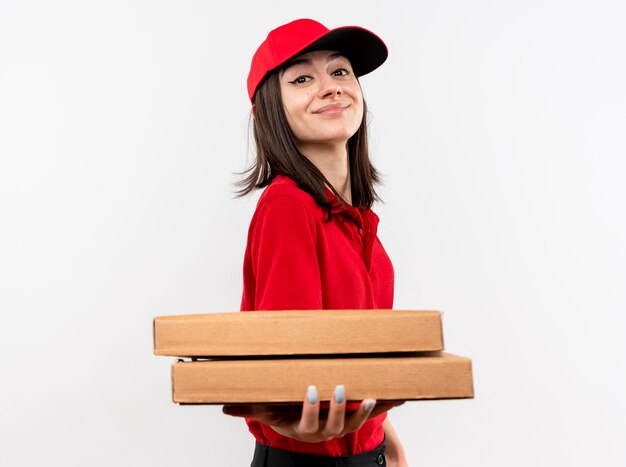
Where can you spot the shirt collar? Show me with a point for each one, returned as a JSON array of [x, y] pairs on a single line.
[[339, 208]]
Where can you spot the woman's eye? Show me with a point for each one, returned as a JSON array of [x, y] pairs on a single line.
[[300, 79], [341, 72]]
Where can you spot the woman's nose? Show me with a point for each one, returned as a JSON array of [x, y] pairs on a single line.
[[329, 87]]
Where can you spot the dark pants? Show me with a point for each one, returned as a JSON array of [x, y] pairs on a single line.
[[265, 456]]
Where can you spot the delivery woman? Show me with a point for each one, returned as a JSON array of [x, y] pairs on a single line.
[[312, 241]]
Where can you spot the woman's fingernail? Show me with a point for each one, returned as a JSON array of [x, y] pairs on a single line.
[[340, 393], [369, 406], [311, 395]]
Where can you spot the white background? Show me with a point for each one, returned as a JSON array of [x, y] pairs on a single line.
[[499, 127]]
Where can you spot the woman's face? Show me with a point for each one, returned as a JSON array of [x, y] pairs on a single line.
[[322, 98]]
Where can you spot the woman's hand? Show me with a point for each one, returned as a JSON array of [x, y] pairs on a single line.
[[306, 424]]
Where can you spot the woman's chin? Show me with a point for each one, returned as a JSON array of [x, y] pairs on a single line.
[[337, 137]]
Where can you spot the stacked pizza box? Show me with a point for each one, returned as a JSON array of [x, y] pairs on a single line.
[[273, 356]]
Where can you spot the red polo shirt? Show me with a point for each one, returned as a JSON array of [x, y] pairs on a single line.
[[295, 260]]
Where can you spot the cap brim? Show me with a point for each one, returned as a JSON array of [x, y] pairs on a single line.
[[365, 50]]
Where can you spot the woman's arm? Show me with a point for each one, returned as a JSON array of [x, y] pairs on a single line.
[[305, 424], [395, 452]]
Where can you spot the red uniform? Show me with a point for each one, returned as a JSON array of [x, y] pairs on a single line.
[[295, 260]]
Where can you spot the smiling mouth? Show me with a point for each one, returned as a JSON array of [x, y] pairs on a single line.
[[332, 109]]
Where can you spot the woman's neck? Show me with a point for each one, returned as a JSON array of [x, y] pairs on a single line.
[[333, 162]]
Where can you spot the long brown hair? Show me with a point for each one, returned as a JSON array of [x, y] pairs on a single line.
[[276, 153]]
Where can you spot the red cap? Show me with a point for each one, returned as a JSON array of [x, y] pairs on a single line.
[[365, 50]]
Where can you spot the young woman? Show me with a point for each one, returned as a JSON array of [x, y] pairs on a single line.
[[312, 241]]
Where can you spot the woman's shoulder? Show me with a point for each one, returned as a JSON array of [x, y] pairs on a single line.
[[283, 190]]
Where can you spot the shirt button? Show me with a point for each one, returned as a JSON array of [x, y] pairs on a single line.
[[360, 231], [380, 460]]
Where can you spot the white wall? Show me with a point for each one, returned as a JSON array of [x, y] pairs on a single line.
[[499, 127]]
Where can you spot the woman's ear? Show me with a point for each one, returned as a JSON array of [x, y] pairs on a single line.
[[253, 111]]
